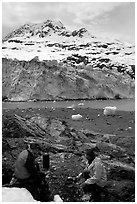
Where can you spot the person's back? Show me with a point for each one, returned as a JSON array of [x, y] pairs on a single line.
[[27, 173], [21, 172]]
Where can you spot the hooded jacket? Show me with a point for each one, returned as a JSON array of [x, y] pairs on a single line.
[[97, 173], [25, 166]]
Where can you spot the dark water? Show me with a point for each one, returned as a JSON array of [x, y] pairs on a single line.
[[122, 105]]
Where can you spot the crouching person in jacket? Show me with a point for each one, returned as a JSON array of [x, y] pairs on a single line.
[[28, 175], [94, 175]]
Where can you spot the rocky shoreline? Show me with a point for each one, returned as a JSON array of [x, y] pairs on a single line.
[[66, 140]]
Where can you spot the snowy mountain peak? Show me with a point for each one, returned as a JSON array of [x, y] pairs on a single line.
[[49, 27], [39, 29], [51, 40], [45, 44], [54, 24]]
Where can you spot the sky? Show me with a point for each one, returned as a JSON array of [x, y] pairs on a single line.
[[114, 19]]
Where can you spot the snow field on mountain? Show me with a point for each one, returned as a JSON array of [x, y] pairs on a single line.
[[52, 41]]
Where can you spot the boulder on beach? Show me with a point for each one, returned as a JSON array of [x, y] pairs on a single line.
[[16, 195], [13, 194]]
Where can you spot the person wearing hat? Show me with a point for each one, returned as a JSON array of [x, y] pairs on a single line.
[[27, 172], [94, 175]]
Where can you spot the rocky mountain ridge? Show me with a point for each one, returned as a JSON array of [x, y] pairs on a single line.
[[51, 40], [44, 29], [48, 62]]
